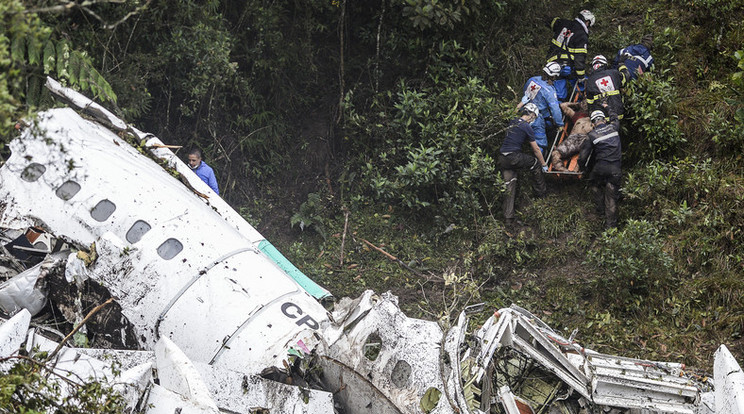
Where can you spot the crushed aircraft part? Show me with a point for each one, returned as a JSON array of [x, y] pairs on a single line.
[[28, 289], [213, 313], [729, 379]]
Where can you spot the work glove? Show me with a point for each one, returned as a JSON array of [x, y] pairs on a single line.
[[545, 168]]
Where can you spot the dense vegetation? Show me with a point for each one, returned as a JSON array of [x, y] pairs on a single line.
[[376, 123]]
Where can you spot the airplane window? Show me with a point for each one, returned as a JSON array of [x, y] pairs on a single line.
[[103, 210], [67, 190], [32, 172], [401, 373], [372, 346], [170, 249], [138, 229]]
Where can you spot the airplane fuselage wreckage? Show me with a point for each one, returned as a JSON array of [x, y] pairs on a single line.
[[205, 316]]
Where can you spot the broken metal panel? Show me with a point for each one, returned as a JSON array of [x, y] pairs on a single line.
[[23, 292], [729, 380], [12, 335], [454, 347], [235, 391], [495, 333], [408, 362], [178, 374], [161, 400], [641, 384]]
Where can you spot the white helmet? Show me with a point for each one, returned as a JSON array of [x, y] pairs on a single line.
[[588, 17], [531, 108], [597, 115], [599, 61], [552, 69]]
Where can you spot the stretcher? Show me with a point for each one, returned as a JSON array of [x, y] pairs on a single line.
[[572, 163]]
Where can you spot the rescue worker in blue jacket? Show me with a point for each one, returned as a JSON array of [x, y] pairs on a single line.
[[511, 159], [603, 145], [202, 170], [568, 48], [637, 58], [540, 91], [604, 84]]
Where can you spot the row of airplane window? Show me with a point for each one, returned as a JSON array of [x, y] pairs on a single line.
[[103, 210]]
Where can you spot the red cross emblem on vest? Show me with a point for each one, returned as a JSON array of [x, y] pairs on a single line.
[[605, 84]]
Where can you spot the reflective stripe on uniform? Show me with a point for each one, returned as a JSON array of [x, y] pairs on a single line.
[[602, 95], [604, 137]]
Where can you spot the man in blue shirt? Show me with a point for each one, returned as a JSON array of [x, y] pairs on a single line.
[[202, 170], [540, 91], [637, 58], [511, 159]]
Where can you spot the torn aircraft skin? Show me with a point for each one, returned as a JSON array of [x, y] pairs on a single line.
[[209, 317]]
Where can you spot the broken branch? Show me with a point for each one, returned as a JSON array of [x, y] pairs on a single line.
[[77, 328], [343, 237], [164, 146], [394, 259]]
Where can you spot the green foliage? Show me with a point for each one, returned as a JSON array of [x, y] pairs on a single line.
[[698, 202], [30, 51], [727, 121], [652, 108], [29, 387], [432, 155], [631, 264], [311, 214], [427, 13]]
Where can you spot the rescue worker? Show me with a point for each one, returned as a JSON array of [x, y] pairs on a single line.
[[578, 113], [568, 48], [540, 91], [637, 58], [603, 144], [604, 84], [511, 159]]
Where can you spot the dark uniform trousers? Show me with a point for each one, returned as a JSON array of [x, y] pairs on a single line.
[[605, 178], [510, 165]]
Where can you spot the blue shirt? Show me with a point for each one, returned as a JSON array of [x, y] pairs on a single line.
[[537, 91], [206, 174], [519, 133]]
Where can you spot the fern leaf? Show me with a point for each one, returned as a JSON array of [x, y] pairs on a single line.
[[18, 49], [50, 57], [34, 51], [63, 58], [84, 76], [33, 96], [73, 68]]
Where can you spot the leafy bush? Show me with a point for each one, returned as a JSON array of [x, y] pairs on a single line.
[[311, 215], [651, 107], [631, 263], [429, 147], [29, 51], [727, 121], [31, 387]]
